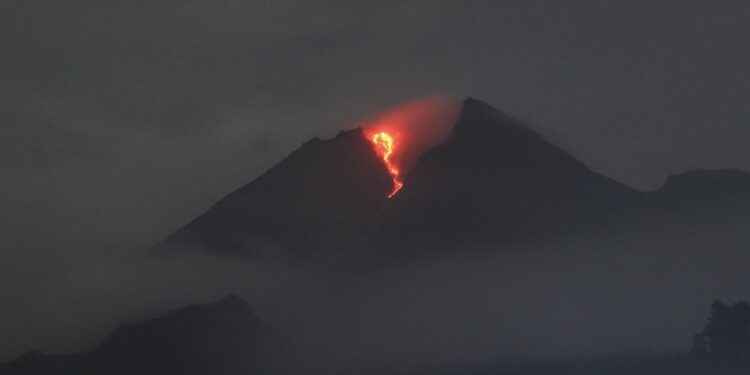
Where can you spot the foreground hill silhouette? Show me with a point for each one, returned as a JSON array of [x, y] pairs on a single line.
[[494, 178], [221, 338], [227, 338]]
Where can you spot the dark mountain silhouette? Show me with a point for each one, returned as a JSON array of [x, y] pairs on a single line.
[[321, 196], [225, 337], [493, 178]]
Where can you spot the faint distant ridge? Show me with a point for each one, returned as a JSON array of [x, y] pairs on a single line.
[[707, 182], [720, 195]]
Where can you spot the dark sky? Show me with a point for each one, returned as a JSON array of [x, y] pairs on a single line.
[[122, 120]]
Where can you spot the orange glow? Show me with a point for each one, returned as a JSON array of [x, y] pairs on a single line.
[[400, 135], [385, 145]]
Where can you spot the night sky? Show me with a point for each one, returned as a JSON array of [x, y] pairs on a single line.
[[121, 121]]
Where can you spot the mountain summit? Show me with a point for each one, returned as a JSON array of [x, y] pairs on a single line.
[[495, 176]]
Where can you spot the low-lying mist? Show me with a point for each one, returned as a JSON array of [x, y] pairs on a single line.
[[573, 297]]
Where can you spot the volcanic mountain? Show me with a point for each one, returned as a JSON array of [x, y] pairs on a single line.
[[493, 178]]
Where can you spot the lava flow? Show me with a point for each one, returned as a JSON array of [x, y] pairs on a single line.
[[384, 145]]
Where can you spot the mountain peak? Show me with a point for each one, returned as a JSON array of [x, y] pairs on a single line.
[[347, 138], [357, 135], [495, 176], [476, 109], [482, 128]]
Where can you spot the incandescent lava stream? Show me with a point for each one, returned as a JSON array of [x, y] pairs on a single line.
[[384, 146]]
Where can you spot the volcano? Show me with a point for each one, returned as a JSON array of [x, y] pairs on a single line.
[[493, 178]]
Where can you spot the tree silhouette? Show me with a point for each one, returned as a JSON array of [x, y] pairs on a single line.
[[727, 334]]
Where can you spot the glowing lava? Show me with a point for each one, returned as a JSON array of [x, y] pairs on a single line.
[[400, 135], [385, 145]]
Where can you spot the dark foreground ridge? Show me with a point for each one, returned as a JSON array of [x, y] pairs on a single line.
[[221, 338], [227, 338]]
